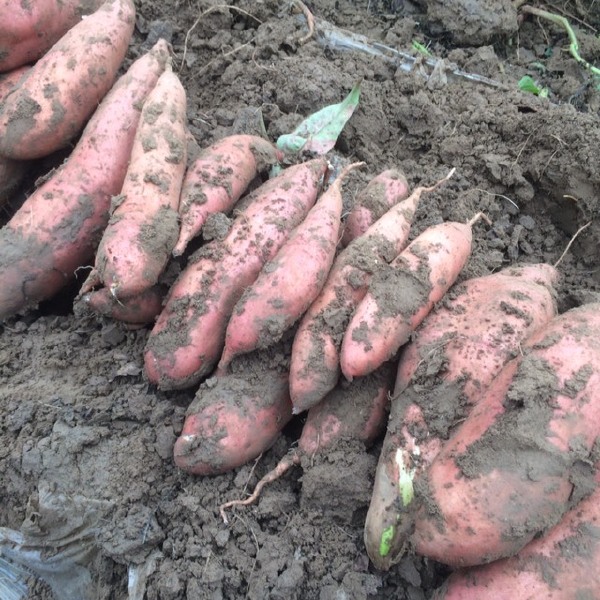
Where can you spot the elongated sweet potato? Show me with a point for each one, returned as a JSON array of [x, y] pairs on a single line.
[[315, 366], [381, 193], [29, 29], [58, 227], [512, 468], [354, 410], [143, 227], [234, 418], [563, 564], [188, 337], [460, 347], [62, 90], [217, 178], [402, 295], [289, 283]]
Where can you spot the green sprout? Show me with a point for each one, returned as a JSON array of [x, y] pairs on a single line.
[[386, 541], [421, 48], [527, 84]]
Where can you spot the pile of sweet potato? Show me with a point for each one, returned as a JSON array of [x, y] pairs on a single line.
[[489, 454]]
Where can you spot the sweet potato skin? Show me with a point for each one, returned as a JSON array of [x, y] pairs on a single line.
[[216, 179], [188, 337], [41, 115], [12, 173], [41, 246], [33, 27], [456, 353], [540, 415]]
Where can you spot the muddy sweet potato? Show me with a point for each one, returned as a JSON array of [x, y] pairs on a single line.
[[60, 92], [143, 226], [513, 467], [217, 178], [460, 347], [188, 337], [289, 283], [29, 29], [380, 194], [402, 295], [234, 417], [315, 366], [562, 564], [58, 227]]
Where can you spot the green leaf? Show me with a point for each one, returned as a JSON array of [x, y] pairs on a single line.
[[385, 544], [527, 84], [421, 48], [319, 132]]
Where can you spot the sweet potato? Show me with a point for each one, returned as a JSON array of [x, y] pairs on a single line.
[[29, 29], [315, 367], [60, 92], [402, 295], [460, 347], [354, 410], [234, 418], [217, 178], [512, 468], [381, 193], [10, 81], [135, 310], [290, 282], [143, 227], [58, 227], [188, 337], [563, 564]]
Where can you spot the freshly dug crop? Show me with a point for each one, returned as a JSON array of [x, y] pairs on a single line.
[[58, 227], [143, 227], [458, 350], [514, 466], [217, 178], [12, 173], [290, 282], [135, 310], [188, 337], [315, 367], [381, 193], [560, 565], [29, 29], [11, 80], [62, 90], [401, 295], [354, 410], [234, 417]]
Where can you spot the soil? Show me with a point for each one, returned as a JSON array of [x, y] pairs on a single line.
[[82, 429]]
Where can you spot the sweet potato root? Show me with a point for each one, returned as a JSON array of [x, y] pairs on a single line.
[[143, 227], [560, 565], [512, 468], [58, 227], [29, 29], [289, 283], [460, 347], [315, 367], [402, 295], [354, 410], [217, 178], [188, 337], [62, 90], [381, 193], [234, 418]]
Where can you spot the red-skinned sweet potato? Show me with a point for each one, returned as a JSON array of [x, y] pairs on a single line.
[[188, 337], [315, 366], [60, 92], [11, 80], [289, 283], [511, 469], [460, 347], [29, 29], [380, 194], [143, 226], [58, 227], [216, 179], [402, 295]]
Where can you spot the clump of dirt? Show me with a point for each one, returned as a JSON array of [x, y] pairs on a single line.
[[79, 415]]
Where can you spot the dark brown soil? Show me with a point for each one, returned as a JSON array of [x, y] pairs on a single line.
[[77, 416]]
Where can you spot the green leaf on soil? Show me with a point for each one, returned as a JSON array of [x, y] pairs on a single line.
[[527, 84]]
